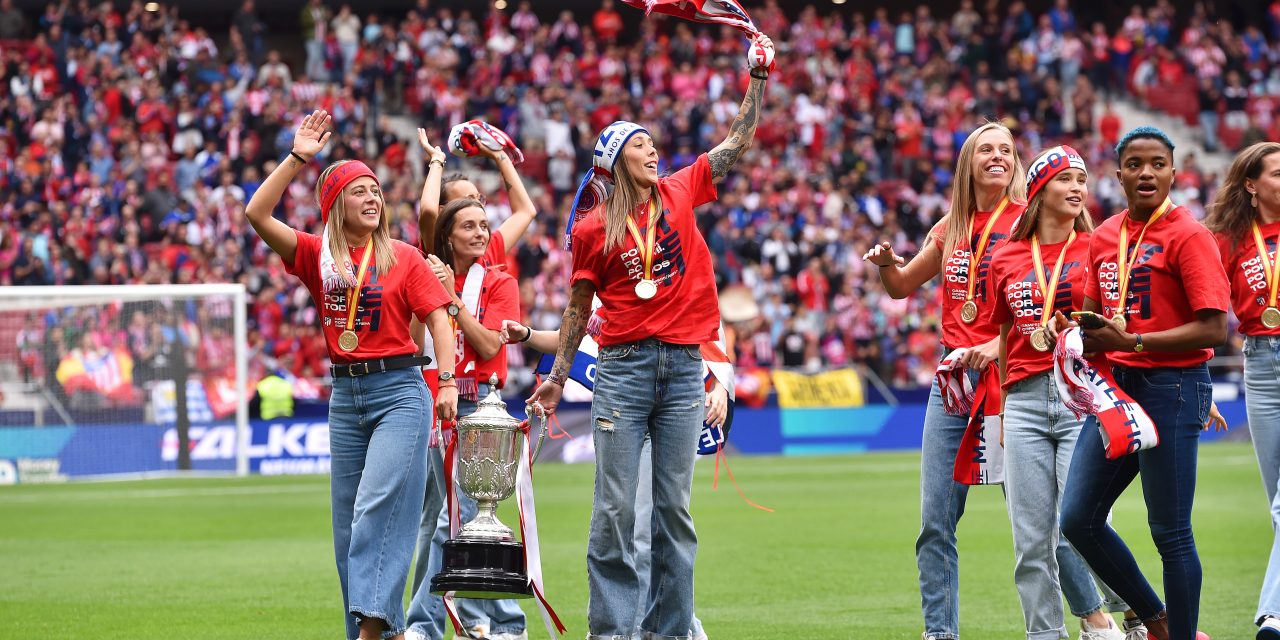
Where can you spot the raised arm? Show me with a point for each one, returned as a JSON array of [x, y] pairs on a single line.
[[572, 328], [307, 142], [522, 210], [743, 129], [429, 204]]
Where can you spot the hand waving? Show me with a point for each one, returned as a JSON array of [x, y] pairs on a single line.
[[433, 152], [313, 134]]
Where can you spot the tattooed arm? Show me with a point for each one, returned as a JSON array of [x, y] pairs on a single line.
[[572, 328], [741, 132]]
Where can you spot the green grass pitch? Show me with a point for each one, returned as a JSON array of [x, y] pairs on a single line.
[[252, 558]]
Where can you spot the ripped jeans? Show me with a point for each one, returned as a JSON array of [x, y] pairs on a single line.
[[644, 388]]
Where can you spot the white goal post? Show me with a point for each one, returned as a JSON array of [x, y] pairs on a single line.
[[92, 378]]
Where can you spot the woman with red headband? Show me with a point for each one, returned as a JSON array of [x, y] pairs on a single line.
[[380, 407], [1245, 218], [1040, 271], [986, 200]]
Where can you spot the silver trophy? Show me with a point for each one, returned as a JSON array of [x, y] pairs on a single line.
[[485, 560]]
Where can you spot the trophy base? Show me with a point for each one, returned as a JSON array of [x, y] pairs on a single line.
[[484, 570]]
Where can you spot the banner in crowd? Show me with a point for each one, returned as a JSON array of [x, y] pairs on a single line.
[[830, 389]]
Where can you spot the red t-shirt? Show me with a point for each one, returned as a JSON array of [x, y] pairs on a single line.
[[386, 300], [499, 300], [1249, 292], [1016, 297], [1177, 272], [686, 308], [955, 279]]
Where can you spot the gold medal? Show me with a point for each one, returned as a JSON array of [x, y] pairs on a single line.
[[1040, 339], [646, 289], [1271, 317], [969, 312], [1119, 321], [348, 341]]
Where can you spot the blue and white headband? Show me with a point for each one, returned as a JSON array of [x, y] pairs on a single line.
[[594, 187]]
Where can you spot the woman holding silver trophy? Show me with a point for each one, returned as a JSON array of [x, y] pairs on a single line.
[[639, 248]]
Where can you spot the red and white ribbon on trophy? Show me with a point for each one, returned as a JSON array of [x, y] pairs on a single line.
[[449, 436], [529, 534]]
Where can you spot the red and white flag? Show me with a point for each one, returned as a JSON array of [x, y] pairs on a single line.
[[727, 12]]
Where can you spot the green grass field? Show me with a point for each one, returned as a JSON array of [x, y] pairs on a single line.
[[252, 558]]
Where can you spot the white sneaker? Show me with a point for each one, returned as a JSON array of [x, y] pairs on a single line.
[[1269, 629], [1109, 633], [413, 634], [1134, 629], [523, 635]]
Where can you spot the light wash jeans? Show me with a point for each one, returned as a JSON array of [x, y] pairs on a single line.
[[1039, 437], [646, 388], [644, 537], [426, 611], [941, 505], [1178, 400], [1262, 402], [378, 443]]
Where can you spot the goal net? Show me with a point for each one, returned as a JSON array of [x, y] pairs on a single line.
[[117, 381]]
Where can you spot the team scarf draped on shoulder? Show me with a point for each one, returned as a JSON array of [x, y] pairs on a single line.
[[726, 12], [1088, 388], [716, 368], [596, 184]]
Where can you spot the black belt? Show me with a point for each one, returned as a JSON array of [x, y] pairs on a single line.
[[357, 369]]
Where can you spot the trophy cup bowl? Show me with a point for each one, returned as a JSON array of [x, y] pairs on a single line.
[[485, 560]]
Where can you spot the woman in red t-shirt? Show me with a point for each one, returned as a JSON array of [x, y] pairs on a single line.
[[1156, 277], [1245, 219], [640, 250], [1042, 270], [380, 408], [481, 298], [986, 200]]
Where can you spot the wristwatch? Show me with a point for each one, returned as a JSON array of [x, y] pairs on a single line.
[[453, 310], [444, 376], [1137, 347]]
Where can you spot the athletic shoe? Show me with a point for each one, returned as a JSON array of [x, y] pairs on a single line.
[[414, 634], [1133, 629], [1270, 629], [1110, 633]]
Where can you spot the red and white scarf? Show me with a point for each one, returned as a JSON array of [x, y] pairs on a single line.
[[1088, 388], [465, 140], [957, 391], [980, 459]]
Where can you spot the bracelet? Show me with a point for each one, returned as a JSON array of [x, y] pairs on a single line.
[[556, 379], [447, 383], [300, 158], [529, 333], [762, 70], [436, 161]]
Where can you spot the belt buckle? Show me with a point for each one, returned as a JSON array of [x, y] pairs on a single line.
[[365, 372]]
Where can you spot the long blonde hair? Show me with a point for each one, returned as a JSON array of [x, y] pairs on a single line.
[[384, 257], [626, 197], [1031, 217], [1231, 213], [964, 199]]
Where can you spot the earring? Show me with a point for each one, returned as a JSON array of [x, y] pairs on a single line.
[[1253, 201]]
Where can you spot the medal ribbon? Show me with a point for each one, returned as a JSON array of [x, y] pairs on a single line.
[[1269, 269], [1049, 289], [975, 254], [1126, 256], [648, 244], [353, 294]]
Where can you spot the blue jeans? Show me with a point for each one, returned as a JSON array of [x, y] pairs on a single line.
[[1178, 402], [1039, 436], [1262, 402], [644, 536], [941, 505], [378, 444], [647, 388], [426, 611]]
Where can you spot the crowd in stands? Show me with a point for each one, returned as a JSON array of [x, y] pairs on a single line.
[[130, 140]]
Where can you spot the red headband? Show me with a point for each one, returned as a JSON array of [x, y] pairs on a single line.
[[338, 179]]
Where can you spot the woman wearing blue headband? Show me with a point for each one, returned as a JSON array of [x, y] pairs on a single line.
[[639, 248]]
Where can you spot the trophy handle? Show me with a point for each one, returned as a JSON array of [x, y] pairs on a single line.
[[542, 437]]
